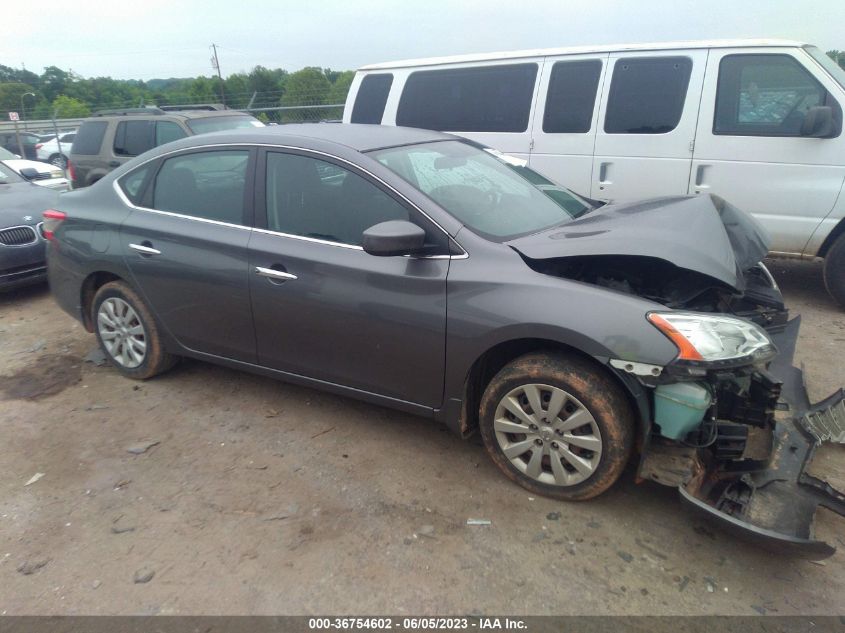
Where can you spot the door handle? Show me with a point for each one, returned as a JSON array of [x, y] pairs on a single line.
[[145, 249], [603, 167], [699, 177], [274, 275]]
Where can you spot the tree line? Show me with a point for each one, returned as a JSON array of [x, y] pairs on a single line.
[[69, 95]]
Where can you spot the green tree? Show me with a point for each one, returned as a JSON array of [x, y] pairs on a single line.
[[10, 96], [53, 82], [69, 108], [340, 86], [308, 86]]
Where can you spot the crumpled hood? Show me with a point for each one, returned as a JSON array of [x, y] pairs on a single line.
[[700, 233]]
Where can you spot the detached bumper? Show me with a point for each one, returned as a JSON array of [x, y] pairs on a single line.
[[774, 492]]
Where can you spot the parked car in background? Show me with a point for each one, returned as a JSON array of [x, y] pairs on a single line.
[[48, 176], [111, 137], [49, 152], [327, 255], [9, 141], [757, 122], [21, 230]]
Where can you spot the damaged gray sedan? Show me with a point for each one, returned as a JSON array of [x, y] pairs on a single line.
[[427, 273]]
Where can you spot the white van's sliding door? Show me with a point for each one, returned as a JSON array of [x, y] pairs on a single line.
[[750, 149], [647, 124], [566, 118]]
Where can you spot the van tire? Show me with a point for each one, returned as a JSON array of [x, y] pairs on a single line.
[[834, 270]]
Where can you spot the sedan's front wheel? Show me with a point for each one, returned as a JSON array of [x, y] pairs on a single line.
[[128, 333], [557, 426]]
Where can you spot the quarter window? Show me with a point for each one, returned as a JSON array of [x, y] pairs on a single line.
[[647, 95], [371, 98], [167, 131], [571, 96], [133, 183], [480, 99], [766, 95], [313, 198], [208, 185], [133, 138]]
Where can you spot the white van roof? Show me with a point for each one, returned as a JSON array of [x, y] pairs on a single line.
[[579, 50]]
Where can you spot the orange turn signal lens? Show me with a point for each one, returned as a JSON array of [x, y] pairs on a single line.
[[686, 349]]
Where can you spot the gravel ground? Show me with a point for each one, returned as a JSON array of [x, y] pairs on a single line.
[[212, 491]]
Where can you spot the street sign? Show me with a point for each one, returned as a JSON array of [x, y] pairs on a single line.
[[13, 116]]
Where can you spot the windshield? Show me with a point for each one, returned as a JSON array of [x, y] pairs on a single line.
[[828, 64], [496, 197], [6, 154], [7, 175], [219, 123]]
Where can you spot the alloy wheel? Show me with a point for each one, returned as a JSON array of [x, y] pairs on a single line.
[[122, 332]]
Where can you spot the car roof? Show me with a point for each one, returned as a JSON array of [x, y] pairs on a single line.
[[357, 136], [580, 50], [159, 114]]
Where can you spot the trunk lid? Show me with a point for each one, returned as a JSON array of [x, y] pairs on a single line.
[[704, 234]]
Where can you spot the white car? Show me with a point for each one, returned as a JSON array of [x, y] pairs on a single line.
[[49, 151], [42, 174]]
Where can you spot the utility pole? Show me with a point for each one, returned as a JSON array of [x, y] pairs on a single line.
[[215, 63]]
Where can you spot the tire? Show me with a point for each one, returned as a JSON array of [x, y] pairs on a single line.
[[575, 462], [834, 270], [58, 160], [127, 332]]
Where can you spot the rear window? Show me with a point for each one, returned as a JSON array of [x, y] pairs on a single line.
[[133, 138], [481, 99], [89, 138], [647, 95], [571, 96], [205, 125], [371, 98]]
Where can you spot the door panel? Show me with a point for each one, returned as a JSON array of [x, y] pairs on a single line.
[[197, 283], [372, 323], [647, 161], [563, 139], [790, 183]]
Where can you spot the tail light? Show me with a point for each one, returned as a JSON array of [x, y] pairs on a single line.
[[52, 219], [39, 145], [70, 172]]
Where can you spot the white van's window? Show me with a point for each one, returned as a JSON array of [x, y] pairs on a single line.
[[371, 98], [571, 96], [647, 95], [766, 95], [480, 99]]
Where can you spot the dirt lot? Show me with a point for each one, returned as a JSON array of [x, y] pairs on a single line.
[[260, 497]]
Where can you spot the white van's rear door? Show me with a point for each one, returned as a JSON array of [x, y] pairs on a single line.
[[647, 124], [566, 118], [749, 148]]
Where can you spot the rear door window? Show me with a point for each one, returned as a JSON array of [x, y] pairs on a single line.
[[647, 95], [766, 95], [479, 99], [89, 138], [133, 137], [371, 98], [208, 185], [571, 96]]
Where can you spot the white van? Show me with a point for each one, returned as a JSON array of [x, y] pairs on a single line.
[[758, 123]]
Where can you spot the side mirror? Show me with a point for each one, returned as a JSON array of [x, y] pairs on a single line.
[[29, 173], [395, 237], [819, 123]]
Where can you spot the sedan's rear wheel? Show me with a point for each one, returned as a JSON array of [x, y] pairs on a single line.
[[128, 333], [58, 160], [557, 426]]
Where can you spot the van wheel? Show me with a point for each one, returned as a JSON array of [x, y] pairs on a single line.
[[127, 332], [58, 160], [834, 270], [557, 426]]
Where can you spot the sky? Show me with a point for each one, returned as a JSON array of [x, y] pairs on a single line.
[[171, 38]]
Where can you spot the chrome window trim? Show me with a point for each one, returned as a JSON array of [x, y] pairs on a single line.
[[116, 186], [33, 229]]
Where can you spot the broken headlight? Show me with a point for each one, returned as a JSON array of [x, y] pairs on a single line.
[[707, 338]]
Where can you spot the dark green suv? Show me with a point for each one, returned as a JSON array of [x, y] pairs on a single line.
[[111, 137]]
